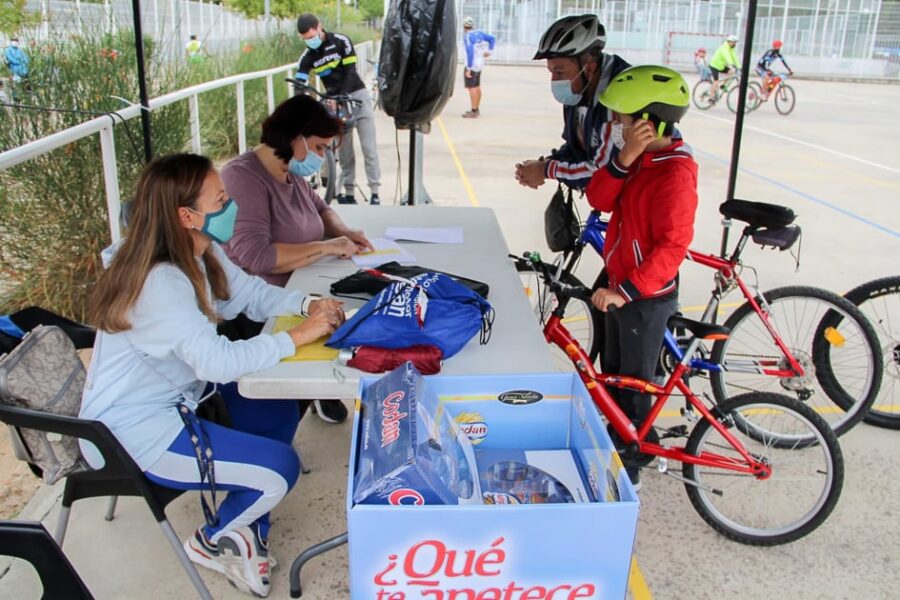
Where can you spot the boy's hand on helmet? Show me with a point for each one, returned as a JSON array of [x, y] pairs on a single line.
[[637, 137]]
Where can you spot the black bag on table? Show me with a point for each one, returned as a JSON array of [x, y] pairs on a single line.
[[362, 282]]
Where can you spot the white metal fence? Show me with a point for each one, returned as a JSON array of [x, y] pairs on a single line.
[[821, 37], [103, 126]]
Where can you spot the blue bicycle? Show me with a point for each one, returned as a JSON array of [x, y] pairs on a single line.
[[804, 341]]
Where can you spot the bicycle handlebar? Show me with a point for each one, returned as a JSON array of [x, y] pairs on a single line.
[[560, 289], [339, 98]]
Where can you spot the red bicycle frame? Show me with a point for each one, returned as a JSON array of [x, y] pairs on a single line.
[[727, 269], [556, 333]]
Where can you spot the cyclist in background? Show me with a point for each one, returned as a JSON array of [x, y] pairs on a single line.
[[650, 187], [701, 65], [479, 46], [724, 61], [579, 70], [764, 66], [332, 58]]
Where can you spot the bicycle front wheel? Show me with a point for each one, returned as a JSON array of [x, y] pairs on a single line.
[[703, 95], [583, 321], [846, 351], [750, 104], [879, 301], [784, 99], [799, 494]]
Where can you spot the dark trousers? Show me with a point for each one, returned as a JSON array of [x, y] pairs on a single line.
[[634, 336]]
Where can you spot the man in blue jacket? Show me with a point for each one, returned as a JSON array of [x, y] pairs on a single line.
[[579, 71], [16, 60], [479, 46]]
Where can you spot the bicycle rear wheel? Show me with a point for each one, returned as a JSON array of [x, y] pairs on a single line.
[[879, 301], [583, 321], [845, 351], [802, 490], [702, 95], [784, 99]]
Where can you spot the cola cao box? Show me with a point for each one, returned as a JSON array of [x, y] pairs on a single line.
[[417, 545], [411, 447]]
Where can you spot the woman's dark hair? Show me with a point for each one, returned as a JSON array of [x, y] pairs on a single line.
[[296, 116]]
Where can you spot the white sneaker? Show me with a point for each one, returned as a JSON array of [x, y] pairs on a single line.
[[238, 555]]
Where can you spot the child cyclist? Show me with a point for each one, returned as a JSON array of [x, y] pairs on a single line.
[[764, 66], [650, 188]]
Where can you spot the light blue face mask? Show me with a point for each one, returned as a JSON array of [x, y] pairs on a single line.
[[219, 225], [313, 43], [562, 91], [308, 166]]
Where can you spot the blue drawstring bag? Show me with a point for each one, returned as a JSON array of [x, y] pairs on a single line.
[[430, 308]]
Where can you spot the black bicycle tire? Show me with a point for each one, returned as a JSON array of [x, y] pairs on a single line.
[[597, 319], [694, 94], [825, 377], [731, 99], [787, 90], [871, 290], [816, 421], [329, 176]]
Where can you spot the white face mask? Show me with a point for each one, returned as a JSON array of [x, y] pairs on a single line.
[[616, 135]]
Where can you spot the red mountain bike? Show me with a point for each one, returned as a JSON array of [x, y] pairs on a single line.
[[762, 468]]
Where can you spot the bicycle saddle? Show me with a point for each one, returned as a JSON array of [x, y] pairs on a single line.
[[706, 331], [758, 214]]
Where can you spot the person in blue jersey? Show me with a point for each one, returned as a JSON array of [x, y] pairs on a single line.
[[479, 46], [764, 66], [157, 357], [579, 71]]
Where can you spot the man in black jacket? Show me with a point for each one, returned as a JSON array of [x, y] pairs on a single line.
[[331, 58]]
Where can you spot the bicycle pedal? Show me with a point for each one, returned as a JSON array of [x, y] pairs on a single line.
[[674, 432]]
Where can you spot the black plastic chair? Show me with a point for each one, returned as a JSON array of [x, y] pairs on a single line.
[[32, 542], [120, 476]]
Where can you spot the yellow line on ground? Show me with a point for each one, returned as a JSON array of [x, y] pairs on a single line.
[[473, 199], [636, 583], [690, 309]]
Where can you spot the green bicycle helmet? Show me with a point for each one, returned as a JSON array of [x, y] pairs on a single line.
[[651, 90], [571, 37]]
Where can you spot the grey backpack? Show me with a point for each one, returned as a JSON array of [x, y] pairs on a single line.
[[44, 373]]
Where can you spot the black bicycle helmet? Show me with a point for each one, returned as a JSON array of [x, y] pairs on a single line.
[[570, 37]]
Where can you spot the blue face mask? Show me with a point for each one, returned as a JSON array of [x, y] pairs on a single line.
[[219, 225], [562, 91], [313, 43], [308, 166]]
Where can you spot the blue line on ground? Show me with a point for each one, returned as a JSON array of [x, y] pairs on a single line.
[[809, 197]]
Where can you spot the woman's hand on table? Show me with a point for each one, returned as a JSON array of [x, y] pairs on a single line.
[[335, 308], [318, 324], [342, 247], [358, 237]]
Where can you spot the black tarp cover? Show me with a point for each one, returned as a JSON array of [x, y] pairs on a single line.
[[418, 61]]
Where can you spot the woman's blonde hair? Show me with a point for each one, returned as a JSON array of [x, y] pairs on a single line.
[[155, 235]]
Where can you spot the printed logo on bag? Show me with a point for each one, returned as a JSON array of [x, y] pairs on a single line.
[[431, 569], [472, 424], [391, 417], [499, 498], [520, 397], [406, 496]]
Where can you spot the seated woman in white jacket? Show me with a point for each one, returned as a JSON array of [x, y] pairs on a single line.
[[157, 355]]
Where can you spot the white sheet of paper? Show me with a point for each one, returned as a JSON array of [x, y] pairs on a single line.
[[434, 235], [385, 251]]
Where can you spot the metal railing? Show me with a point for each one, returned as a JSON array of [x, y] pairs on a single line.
[[103, 126]]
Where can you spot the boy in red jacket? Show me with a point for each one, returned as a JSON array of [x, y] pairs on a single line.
[[651, 189]]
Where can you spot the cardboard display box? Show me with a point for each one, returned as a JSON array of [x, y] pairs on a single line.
[[513, 552]]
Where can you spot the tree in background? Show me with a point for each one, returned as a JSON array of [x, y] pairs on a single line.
[[13, 16]]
